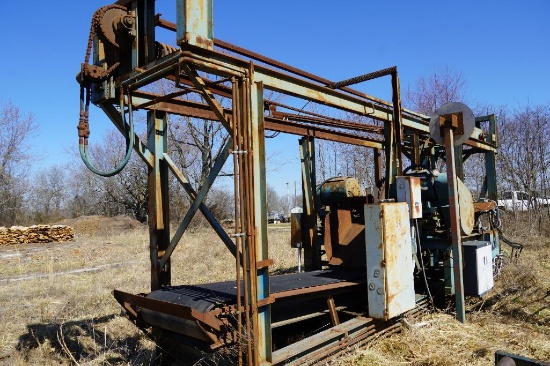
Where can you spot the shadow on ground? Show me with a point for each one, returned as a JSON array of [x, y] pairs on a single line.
[[84, 340]]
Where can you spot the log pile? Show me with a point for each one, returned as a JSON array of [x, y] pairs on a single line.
[[35, 234]]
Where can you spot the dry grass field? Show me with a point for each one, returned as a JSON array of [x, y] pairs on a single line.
[[56, 305]]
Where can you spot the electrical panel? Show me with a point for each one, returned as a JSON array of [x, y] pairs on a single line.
[[390, 275], [478, 267]]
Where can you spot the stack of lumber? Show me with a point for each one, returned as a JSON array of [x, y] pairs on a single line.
[[35, 234]]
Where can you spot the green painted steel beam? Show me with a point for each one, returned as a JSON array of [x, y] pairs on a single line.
[[260, 211], [195, 23], [158, 200]]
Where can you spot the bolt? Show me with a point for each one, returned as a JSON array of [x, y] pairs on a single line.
[[376, 273], [380, 291], [128, 21], [371, 286]]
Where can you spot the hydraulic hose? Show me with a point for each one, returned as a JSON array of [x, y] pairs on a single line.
[[84, 132]]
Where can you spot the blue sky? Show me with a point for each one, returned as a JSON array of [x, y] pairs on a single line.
[[501, 47]]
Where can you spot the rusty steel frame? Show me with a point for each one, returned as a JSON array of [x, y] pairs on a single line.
[[246, 122], [449, 124]]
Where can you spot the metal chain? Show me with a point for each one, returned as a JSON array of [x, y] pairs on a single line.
[[90, 42], [85, 88], [95, 23]]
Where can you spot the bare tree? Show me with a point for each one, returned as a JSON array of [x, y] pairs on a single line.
[[47, 194], [429, 93], [525, 148], [275, 203], [195, 143], [121, 194], [126, 192], [16, 130]]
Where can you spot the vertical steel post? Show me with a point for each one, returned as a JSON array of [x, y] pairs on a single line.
[[159, 221], [243, 149], [389, 157], [416, 150], [312, 250], [377, 173], [260, 212], [393, 134], [133, 6], [195, 23], [397, 165], [490, 181], [459, 162], [491, 160], [456, 237], [143, 49]]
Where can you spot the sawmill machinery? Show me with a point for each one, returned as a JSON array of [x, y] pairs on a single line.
[[370, 257]]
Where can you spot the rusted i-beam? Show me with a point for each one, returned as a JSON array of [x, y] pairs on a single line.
[[449, 123]]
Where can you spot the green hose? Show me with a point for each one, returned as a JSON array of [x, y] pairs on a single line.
[[83, 144]]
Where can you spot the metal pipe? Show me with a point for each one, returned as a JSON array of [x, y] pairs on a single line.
[[364, 77], [271, 62], [244, 212], [250, 217], [299, 248], [238, 229], [397, 120]]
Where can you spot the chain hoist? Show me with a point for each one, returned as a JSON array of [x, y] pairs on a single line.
[[107, 23]]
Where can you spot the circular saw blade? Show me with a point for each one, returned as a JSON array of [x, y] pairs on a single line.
[[448, 108]]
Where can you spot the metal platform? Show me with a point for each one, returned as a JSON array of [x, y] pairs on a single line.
[[205, 297], [203, 312]]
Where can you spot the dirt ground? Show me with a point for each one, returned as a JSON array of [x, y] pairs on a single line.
[[56, 305], [92, 225]]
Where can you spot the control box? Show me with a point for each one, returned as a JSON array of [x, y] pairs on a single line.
[[390, 276], [478, 268]]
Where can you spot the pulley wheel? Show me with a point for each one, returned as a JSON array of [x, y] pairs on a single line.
[[106, 22], [448, 108]]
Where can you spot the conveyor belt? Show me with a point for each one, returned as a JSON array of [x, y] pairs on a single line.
[[308, 291], [210, 295]]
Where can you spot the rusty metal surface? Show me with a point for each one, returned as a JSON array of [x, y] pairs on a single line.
[[344, 237], [338, 189], [365, 77], [195, 23], [296, 230], [158, 199], [485, 206], [208, 327], [389, 260], [332, 311], [271, 62], [121, 66], [193, 109], [409, 191], [312, 250], [454, 209], [328, 345]]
